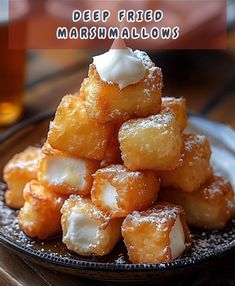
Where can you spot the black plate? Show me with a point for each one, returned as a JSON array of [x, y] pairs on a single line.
[[116, 266]]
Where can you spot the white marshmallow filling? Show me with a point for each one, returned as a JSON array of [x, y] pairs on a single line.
[[60, 170], [177, 239], [82, 232], [109, 196]]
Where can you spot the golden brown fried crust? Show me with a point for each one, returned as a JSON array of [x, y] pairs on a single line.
[[216, 188], [72, 131], [40, 215], [178, 106], [147, 233], [209, 207], [13, 199], [21, 169], [105, 102], [135, 190], [195, 166], [161, 207], [49, 151], [151, 143]]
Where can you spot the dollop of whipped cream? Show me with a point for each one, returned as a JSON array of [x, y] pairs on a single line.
[[120, 66]]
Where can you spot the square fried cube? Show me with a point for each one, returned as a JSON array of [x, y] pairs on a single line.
[[119, 191], [157, 235], [21, 169], [195, 167], [178, 106], [66, 174], [40, 216], [86, 229], [209, 207], [153, 143], [106, 102], [72, 131]]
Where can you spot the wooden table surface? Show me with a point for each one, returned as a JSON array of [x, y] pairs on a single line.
[[205, 78]]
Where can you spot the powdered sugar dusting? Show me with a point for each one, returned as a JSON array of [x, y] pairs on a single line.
[[204, 243], [120, 260], [194, 140], [84, 203], [151, 78], [218, 187], [159, 121], [159, 215], [26, 160], [120, 170]]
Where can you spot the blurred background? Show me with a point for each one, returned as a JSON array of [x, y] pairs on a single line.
[[34, 81]]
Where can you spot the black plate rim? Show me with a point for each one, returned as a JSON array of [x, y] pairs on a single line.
[[90, 265], [79, 264]]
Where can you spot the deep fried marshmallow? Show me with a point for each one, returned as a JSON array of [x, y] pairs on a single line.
[[105, 101], [152, 143], [119, 191], [157, 235], [72, 130], [65, 173], [86, 229], [178, 106], [195, 168], [209, 207], [21, 169], [40, 215]]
